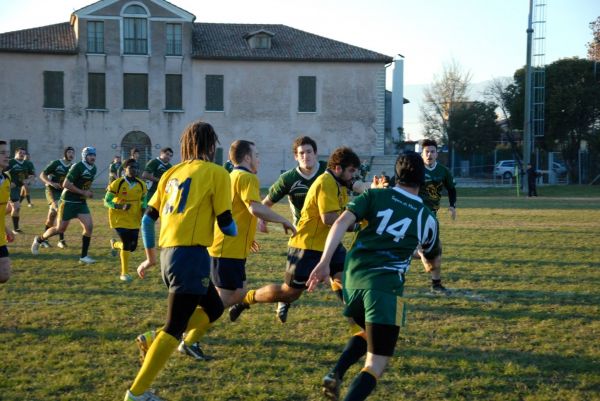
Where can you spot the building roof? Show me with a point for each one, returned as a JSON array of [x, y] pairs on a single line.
[[212, 41], [51, 39]]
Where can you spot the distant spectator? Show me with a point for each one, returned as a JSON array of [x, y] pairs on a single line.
[[364, 169], [532, 176]]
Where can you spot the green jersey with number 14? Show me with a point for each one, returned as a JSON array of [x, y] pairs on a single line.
[[396, 223]]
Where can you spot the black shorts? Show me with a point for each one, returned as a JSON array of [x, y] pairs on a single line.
[[186, 269], [129, 238], [3, 251], [228, 273], [15, 194], [301, 262]]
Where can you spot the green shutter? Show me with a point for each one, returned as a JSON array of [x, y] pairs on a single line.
[[96, 91], [54, 89], [307, 94], [214, 93], [135, 91], [173, 96]]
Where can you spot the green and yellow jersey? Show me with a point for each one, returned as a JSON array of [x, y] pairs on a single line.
[[56, 172], [189, 197], [131, 191], [324, 196], [436, 178], [20, 170], [157, 168], [396, 223], [114, 168], [295, 185], [245, 189], [82, 176], [4, 196]]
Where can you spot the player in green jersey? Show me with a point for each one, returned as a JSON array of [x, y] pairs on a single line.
[[437, 177], [397, 222], [21, 172], [294, 184], [113, 169], [155, 168], [77, 189], [53, 176]]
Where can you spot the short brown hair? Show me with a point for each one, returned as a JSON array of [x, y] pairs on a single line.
[[198, 142], [343, 157], [410, 169], [428, 142], [240, 149], [303, 140]]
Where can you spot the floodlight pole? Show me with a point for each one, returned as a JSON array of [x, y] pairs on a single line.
[[527, 117]]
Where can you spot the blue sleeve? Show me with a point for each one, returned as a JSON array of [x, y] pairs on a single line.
[[147, 230]]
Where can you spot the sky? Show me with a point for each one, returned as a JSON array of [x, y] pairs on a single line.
[[485, 37]]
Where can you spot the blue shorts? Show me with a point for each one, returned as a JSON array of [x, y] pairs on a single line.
[[186, 269], [301, 262], [228, 273]]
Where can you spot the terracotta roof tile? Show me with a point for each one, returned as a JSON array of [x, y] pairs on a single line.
[[52, 39]]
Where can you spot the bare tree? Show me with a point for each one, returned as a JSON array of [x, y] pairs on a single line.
[[496, 92], [440, 97], [594, 45]]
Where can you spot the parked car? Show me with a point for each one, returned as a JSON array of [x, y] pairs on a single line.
[[505, 169], [559, 168]]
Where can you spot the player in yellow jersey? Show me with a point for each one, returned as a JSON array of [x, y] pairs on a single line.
[[189, 198], [325, 200], [125, 199], [5, 180], [229, 254]]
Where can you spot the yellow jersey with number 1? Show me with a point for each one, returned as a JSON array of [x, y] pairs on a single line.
[[188, 198], [4, 195]]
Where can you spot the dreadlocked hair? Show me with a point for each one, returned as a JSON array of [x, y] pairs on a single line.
[[198, 141]]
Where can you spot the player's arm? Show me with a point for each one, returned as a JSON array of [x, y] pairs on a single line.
[[149, 176], [335, 236], [47, 181], [67, 184], [227, 224], [265, 213], [148, 238], [109, 202], [329, 218]]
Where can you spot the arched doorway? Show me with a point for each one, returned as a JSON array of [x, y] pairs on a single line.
[[140, 141]]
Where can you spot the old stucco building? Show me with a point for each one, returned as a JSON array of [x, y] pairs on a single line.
[[134, 73]]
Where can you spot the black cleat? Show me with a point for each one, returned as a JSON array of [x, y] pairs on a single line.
[[194, 350], [282, 311], [440, 289], [331, 386], [236, 310]]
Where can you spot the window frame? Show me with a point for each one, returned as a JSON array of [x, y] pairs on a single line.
[[95, 39], [174, 39]]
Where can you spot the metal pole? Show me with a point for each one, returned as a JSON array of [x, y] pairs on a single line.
[[527, 135]]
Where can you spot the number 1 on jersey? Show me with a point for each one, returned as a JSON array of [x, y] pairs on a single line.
[[178, 195], [397, 229]]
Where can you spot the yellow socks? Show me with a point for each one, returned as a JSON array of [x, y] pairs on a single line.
[[197, 326], [124, 260], [162, 347], [249, 298]]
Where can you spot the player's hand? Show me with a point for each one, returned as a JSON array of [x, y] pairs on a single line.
[[88, 194], [289, 227], [452, 211], [319, 275], [10, 237], [262, 226], [255, 247], [145, 265], [126, 206]]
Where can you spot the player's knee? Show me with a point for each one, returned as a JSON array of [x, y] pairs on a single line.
[[291, 294], [214, 312], [4, 271]]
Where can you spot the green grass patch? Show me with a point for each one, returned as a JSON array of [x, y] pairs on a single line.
[[523, 323]]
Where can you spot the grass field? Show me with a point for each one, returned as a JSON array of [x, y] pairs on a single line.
[[523, 325]]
